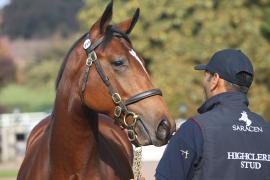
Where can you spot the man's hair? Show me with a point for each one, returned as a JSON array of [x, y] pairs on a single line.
[[234, 87]]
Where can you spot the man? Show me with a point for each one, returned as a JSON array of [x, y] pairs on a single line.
[[226, 141]]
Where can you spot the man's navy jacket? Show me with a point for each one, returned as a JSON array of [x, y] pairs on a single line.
[[226, 141]]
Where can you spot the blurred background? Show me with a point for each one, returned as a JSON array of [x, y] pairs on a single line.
[[171, 35]]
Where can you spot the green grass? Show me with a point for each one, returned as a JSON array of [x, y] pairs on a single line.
[[8, 174], [27, 98]]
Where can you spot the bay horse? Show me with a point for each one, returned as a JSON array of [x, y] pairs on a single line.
[[100, 74]]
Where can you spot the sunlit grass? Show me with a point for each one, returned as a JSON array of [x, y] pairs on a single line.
[[8, 174], [26, 98]]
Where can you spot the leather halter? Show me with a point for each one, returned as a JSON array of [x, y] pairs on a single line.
[[121, 106]]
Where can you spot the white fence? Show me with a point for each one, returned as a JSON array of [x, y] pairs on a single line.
[[14, 130]]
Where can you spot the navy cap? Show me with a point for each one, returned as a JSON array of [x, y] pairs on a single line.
[[229, 64]]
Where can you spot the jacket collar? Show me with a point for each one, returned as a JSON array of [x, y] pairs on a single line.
[[231, 98]]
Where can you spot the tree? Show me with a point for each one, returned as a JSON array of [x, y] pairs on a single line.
[[7, 71], [36, 90], [7, 66], [30, 18], [176, 34]]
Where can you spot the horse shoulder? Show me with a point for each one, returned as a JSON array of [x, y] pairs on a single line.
[[36, 153], [37, 131]]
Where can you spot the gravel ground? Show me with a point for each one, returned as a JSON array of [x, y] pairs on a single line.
[[8, 166], [149, 169]]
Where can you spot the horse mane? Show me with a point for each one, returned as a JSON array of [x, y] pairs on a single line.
[[62, 68]]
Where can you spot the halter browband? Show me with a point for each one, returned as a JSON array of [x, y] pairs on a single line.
[[121, 106]]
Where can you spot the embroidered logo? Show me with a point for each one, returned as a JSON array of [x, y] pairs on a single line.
[[247, 127], [244, 118], [185, 153]]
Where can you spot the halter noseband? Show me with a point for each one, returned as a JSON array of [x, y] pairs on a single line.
[[121, 106]]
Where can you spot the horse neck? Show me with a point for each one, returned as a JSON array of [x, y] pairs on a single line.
[[74, 132]]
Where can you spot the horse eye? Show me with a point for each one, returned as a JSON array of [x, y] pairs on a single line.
[[118, 63]]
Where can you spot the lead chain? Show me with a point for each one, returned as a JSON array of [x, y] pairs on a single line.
[[137, 163]]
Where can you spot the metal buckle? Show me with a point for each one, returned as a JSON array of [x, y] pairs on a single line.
[[88, 62], [117, 111], [93, 56], [116, 98], [131, 135], [134, 116]]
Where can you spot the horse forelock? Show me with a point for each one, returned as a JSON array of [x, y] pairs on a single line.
[[111, 32]]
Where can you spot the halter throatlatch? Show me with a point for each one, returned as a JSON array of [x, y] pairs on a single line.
[[121, 110]]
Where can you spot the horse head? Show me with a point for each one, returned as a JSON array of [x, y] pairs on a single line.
[[114, 81]]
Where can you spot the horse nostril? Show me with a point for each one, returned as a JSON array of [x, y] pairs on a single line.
[[163, 130]]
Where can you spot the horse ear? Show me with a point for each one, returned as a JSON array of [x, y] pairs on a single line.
[[129, 24], [106, 17], [101, 25]]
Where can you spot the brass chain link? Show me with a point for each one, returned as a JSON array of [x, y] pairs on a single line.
[[137, 163]]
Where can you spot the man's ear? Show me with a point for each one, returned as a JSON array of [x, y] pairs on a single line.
[[215, 82]]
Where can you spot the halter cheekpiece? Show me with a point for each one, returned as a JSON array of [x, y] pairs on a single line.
[[120, 105]]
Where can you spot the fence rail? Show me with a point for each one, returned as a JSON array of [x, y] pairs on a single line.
[[14, 131]]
